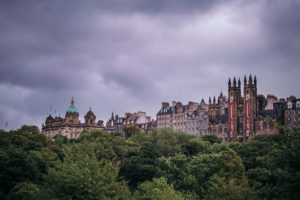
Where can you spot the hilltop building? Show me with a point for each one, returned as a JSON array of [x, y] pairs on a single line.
[[138, 119], [70, 126], [191, 118]]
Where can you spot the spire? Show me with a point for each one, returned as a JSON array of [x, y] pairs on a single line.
[[90, 108], [234, 82], [250, 79], [255, 81], [239, 83], [229, 83], [245, 80], [202, 101], [214, 101], [221, 94], [209, 100], [72, 102]]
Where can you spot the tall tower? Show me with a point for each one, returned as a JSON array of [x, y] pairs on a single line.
[[250, 107], [234, 96], [72, 114]]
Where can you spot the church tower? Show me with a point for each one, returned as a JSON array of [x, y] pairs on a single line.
[[250, 107], [234, 97], [72, 114]]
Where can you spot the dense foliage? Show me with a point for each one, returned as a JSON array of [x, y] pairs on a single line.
[[162, 165]]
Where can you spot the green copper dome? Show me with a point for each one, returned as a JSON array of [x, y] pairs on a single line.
[[72, 108]]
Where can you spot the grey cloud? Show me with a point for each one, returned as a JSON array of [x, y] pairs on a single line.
[[131, 55]]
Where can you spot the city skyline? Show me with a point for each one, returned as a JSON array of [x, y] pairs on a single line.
[[131, 56]]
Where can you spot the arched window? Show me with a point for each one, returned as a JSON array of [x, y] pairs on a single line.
[[290, 105]]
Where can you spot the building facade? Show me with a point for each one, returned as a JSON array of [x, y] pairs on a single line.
[[70, 126], [138, 119], [191, 118], [292, 113]]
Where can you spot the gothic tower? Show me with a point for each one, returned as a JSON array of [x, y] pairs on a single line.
[[234, 97], [250, 107]]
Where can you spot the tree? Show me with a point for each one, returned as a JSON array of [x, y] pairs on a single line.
[[158, 189], [82, 176], [29, 129], [230, 182], [130, 130], [24, 191], [212, 138], [142, 166]]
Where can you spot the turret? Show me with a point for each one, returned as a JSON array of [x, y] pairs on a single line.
[[250, 80], [234, 82]]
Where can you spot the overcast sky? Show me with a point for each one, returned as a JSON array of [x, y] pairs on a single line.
[[130, 55]]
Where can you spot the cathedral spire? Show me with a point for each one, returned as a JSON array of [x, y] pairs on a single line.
[[229, 83], [239, 83], [234, 82]]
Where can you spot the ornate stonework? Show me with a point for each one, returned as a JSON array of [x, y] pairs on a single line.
[[70, 126]]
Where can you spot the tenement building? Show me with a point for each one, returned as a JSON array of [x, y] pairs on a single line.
[[138, 119], [292, 113], [191, 118], [70, 126]]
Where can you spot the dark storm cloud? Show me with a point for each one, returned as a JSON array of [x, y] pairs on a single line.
[[131, 55]]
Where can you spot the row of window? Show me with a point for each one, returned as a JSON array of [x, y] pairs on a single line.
[[293, 112], [290, 105], [295, 119]]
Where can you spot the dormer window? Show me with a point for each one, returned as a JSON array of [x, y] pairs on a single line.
[[298, 104], [290, 105]]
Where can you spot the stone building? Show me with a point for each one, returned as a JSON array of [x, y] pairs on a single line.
[[218, 116], [70, 126], [165, 115], [242, 110], [197, 120], [191, 118], [292, 113], [139, 119]]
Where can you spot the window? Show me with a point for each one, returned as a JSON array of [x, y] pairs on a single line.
[[290, 105], [271, 126], [220, 130], [298, 104], [265, 126]]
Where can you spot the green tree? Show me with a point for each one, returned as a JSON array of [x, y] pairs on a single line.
[[212, 138], [29, 129], [82, 176], [25, 191], [130, 130], [230, 181], [158, 189]]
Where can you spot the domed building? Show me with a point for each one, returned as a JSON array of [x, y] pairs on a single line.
[[70, 126]]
